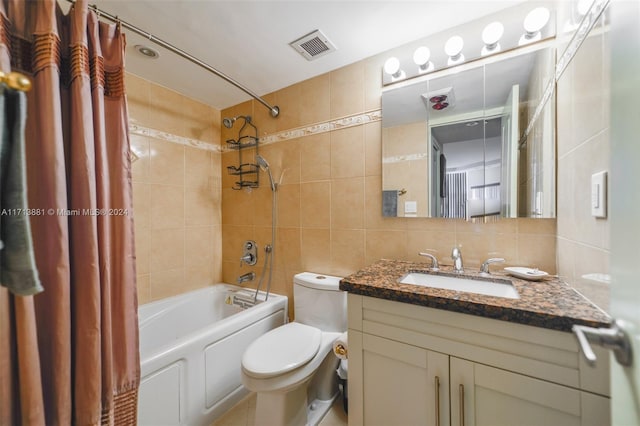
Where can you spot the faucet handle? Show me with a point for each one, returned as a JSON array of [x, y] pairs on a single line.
[[484, 269], [248, 259], [434, 262]]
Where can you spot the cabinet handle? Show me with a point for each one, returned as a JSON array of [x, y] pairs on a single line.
[[437, 383], [461, 391]]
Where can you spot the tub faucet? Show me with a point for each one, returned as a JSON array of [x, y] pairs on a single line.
[[249, 276], [456, 255]]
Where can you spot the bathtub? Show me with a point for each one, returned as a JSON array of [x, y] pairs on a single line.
[[191, 347]]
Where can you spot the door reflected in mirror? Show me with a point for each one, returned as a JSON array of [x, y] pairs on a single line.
[[454, 146]]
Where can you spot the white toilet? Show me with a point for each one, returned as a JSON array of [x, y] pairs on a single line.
[[292, 368]]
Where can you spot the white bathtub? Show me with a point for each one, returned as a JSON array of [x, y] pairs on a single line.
[[191, 347]]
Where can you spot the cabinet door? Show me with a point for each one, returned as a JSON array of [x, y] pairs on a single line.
[[403, 384], [487, 396]]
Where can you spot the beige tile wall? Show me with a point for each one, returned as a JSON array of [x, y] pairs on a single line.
[[329, 216], [176, 193], [408, 174], [329, 201], [583, 149]]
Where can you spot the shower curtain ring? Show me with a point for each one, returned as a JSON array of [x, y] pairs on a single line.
[[97, 11]]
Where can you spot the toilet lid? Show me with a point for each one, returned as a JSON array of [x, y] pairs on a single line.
[[281, 350]]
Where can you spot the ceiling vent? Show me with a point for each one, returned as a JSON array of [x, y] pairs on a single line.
[[313, 45]]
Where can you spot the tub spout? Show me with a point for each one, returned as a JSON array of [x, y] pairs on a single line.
[[249, 276]]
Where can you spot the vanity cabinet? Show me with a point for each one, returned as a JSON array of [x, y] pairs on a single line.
[[410, 365], [405, 385]]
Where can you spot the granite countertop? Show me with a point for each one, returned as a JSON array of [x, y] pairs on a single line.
[[549, 303]]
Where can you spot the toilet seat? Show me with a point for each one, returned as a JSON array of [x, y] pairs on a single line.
[[281, 350]]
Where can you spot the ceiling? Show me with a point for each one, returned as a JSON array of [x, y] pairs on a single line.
[[249, 40], [468, 131]]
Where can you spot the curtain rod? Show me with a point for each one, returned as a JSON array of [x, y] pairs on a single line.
[[275, 110]]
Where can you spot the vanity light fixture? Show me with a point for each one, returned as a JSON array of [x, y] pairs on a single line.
[[453, 48], [533, 23], [421, 58], [491, 36], [497, 36], [392, 67]]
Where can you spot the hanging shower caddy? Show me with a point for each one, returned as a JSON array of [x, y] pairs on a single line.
[[247, 172]]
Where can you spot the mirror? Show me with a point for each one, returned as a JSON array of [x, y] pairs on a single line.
[[465, 142]]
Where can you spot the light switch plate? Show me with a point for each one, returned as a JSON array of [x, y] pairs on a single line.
[[411, 207], [599, 194]]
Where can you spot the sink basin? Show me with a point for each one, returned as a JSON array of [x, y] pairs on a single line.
[[497, 288]]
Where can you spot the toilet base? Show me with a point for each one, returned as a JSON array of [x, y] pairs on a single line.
[[292, 407], [318, 409]]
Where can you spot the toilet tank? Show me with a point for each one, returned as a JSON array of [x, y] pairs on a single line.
[[318, 302]]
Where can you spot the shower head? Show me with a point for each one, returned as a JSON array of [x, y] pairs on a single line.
[[264, 165], [228, 122]]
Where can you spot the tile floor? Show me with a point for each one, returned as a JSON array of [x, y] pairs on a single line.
[[244, 414]]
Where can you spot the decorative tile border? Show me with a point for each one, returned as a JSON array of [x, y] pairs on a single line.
[[408, 157], [327, 126], [136, 129]]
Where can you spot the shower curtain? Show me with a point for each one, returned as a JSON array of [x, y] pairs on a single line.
[[69, 355]]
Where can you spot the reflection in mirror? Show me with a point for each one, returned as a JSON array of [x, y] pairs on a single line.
[[453, 146], [465, 174]]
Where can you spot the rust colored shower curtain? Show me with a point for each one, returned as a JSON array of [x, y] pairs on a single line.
[[70, 355]]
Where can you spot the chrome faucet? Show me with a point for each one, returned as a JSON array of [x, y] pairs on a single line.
[[456, 255], [434, 262], [484, 269], [249, 276]]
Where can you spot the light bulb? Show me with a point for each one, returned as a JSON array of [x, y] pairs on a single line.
[[421, 58], [421, 55], [533, 23], [536, 20], [492, 33], [453, 48], [490, 37], [392, 67]]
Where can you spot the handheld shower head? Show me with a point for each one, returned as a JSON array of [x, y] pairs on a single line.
[[264, 165]]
